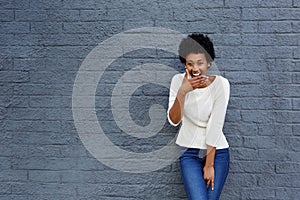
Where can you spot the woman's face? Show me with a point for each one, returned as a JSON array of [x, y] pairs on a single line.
[[196, 64]]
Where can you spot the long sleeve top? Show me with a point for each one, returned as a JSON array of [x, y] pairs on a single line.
[[203, 114]]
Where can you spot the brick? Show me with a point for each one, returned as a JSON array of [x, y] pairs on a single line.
[[258, 117], [47, 64], [43, 89], [259, 39], [234, 140], [44, 189], [249, 26], [178, 25], [291, 143], [244, 154], [92, 15], [281, 180], [257, 193], [6, 90], [5, 163], [296, 104], [145, 23], [243, 4], [5, 188], [41, 5], [92, 27], [227, 39], [198, 4], [19, 150], [233, 116], [296, 53], [273, 155], [35, 114], [296, 27], [14, 27], [256, 103], [296, 78], [15, 4], [277, 27], [6, 63], [283, 65], [77, 4], [46, 27], [287, 168], [258, 14], [14, 77], [149, 13], [5, 151], [30, 15], [244, 65], [45, 138], [276, 4], [6, 15], [199, 14], [53, 77], [236, 179], [45, 101], [19, 39], [274, 129], [13, 175], [288, 14], [44, 163], [296, 3], [44, 176], [26, 125], [253, 167], [287, 193], [287, 39], [240, 129], [63, 15]]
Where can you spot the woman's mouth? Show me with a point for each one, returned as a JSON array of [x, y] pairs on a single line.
[[196, 74]]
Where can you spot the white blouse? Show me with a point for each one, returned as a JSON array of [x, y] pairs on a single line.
[[203, 115]]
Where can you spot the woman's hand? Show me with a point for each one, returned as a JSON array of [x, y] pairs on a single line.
[[188, 85], [209, 176]]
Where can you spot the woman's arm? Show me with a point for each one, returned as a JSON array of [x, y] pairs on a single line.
[[214, 131], [208, 170], [176, 111]]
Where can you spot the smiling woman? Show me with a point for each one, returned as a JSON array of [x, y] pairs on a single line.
[[199, 101]]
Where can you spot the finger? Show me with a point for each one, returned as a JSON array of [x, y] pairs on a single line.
[[204, 76], [213, 184], [186, 74], [207, 183]]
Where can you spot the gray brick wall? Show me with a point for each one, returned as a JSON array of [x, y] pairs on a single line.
[[42, 45]]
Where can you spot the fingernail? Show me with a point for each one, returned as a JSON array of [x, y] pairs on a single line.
[[212, 188]]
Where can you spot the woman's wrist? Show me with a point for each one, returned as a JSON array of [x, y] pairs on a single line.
[[207, 165], [182, 91]]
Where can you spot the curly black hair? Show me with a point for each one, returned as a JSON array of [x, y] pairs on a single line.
[[196, 43]]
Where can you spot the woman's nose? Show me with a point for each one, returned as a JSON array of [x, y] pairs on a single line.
[[196, 68]]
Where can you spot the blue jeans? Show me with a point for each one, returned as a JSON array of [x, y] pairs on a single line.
[[192, 162]]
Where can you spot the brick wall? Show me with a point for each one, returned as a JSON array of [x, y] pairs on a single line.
[[42, 45]]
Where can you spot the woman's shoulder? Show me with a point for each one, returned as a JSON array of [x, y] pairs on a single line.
[[223, 80], [178, 77]]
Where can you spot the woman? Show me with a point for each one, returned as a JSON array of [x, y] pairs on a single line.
[[199, 101]]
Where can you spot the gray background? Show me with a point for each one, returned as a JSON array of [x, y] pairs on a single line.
[[42, 44]]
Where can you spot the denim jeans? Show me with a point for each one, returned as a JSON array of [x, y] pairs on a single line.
[[192, 162]]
